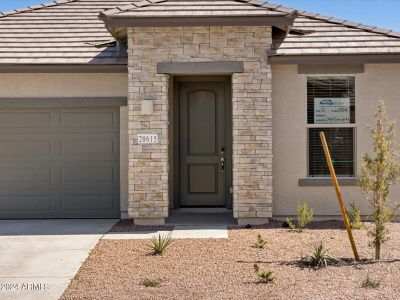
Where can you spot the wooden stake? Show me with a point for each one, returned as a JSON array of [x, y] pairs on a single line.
[[338, 193]]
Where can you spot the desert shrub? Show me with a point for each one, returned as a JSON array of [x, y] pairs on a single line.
[[160, 243], [370, 283], [304, 217], [319, 258], [150, 283], [264, 276], [354, 214], [378, 172], [261, 243]]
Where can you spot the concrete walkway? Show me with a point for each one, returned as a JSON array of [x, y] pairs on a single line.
[[179, 232], [38, 258], [187, 225]]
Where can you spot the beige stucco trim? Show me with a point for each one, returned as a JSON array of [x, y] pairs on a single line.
[[63, 85], [331, 69]]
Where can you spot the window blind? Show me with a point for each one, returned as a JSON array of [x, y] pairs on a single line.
[[341, 146]]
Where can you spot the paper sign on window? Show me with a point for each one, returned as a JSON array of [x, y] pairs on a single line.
[[331, 110]]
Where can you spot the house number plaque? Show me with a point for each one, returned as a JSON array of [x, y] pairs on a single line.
[[147, 138]]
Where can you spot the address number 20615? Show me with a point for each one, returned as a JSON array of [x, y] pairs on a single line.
[[148, 139]]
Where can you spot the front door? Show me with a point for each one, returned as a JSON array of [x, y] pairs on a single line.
[[202, 144]]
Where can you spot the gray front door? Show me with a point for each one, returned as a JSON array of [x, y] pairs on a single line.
[[59, 163], [202, 144]]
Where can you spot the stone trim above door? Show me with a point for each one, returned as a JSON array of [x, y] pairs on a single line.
[[200, 68]]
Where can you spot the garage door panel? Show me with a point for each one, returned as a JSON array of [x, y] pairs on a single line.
[[53, 145], [33, 119], [88, 174], [86, 145], [87, 120], [26, 202], [25, 148], [14, 188], [65, 167], [28, 173], [87, 202]]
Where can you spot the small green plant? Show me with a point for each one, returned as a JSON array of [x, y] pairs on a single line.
[[256, 268], [291, 225], [261, 243], [264, 276], [355, 217], [150, 283], [304, 217], [370, 283], [319, 259], [160, 243]]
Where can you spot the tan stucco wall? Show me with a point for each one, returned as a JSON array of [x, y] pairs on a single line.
[[77, 85], [63, 85], [290, 135]]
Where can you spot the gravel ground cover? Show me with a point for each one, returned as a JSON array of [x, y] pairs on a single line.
[[223, 268]]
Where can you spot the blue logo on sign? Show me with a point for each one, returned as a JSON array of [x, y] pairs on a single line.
[[326, 102]]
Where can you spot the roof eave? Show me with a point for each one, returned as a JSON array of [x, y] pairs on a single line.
[[174, 21], [291, 16]]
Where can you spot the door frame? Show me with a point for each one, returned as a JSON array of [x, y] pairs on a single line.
[[177, 80]]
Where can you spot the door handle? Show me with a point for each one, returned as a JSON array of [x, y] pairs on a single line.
[[222, 159]]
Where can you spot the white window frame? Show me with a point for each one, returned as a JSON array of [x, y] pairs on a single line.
[[350, 125]]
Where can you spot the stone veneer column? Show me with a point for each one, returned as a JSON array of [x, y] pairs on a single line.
[[252, 114], [148, 164], [252, 143]]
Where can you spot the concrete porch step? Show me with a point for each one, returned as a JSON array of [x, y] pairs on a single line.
[[178, 217]]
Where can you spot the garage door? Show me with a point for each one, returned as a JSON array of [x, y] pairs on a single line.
[[59, 163]]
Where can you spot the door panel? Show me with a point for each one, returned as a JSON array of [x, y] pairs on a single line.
[[203, 178], [202, 137], [202, 123]]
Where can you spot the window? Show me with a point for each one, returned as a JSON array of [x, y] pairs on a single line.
[[331, 109]]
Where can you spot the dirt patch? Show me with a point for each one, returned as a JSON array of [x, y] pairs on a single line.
[[223, 268], [129, 226]]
